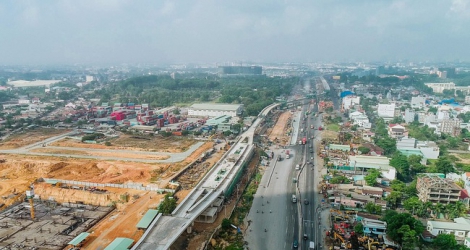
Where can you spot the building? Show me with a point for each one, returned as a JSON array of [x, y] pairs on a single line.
[[425, 118], [411, 146], [442, 74], [410, 116], [363, 163], [435, 189], [376, 227], [396, 131], [451, 127], [460, 228], [449, 71], [240, 70], [418, 101], [350, 101], [89, 78], [386, 111], [441, 86], [215, 109], [467, 99]]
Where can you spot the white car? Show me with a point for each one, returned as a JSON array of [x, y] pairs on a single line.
[[297, 167]]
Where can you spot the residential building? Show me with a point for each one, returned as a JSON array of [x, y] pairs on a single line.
[[467, 99], [350, 101], [396, 131], [467, 242], [386, 111], [451, 127], [89, 78], [435, 189], [425, 117], [418, 102], [409, 116], [361, 120], [376, 227], [443, 115], [367, 136], [215, 109], [441, 86], [460, 228], [374, 149]]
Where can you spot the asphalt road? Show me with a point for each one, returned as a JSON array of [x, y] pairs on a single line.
[[273, 209]]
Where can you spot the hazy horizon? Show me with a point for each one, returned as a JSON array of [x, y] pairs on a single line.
[[165, 32]]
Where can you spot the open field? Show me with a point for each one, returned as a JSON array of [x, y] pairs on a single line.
[[171, 144], [94, 153], [30, 136], [333, 127]]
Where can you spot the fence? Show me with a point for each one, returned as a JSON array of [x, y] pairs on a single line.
[[135, 186]]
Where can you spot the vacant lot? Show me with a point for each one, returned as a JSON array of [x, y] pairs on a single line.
[[30, 136], [173, 144]]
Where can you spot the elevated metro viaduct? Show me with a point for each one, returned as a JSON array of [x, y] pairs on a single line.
[[220, 181]]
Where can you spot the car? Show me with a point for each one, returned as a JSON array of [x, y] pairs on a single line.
[[305, 237], [295, 244], [306, 202]]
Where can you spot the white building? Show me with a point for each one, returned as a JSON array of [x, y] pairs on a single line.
[[428, 149], [350, 101], [443, 115], [441, 86], [377, 162], [460, 228], [418, 101], [386, 110], [24, 101], [467, 99], [215, 109], [89, 78], [425, 118], [409, 116]]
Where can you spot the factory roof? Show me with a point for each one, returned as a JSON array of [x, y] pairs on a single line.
[[216, 106]]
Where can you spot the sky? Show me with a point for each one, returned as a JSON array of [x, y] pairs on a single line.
[[220, 31]]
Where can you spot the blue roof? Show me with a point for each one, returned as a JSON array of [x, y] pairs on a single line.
[[346, 93]]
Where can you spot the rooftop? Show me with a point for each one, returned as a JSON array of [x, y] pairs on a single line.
[[216, 106], [449, 225]]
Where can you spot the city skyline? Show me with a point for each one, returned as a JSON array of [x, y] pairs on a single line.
[[97, 32]]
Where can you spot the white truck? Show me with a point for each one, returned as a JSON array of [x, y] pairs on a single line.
[[311, 245]]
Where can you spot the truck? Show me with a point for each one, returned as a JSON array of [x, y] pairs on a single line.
[[311, 245], [287, 154], [312, 127], [304, 141]]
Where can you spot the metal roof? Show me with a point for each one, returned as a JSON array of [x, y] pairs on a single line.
[[147, 219], [120, 244], [216, 106], [77, 240]]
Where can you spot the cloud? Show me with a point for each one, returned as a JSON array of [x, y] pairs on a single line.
[[104, 31]]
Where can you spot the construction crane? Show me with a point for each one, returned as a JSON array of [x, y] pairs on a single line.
[[30, 196], [340, 238]]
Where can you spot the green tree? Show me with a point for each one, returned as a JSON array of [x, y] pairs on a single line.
[[226, 224], [400, 162], [396, 226], [388, 144], [364, 150], [444, 165], [371, 178], [167, 205], [445, 242], [359, 228]]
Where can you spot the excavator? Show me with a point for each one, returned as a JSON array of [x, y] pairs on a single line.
[[339, 238]]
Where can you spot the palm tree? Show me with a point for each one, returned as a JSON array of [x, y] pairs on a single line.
[[437, 209]]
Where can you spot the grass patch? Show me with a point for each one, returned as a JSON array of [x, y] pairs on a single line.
[[463, 156], [333, 127]]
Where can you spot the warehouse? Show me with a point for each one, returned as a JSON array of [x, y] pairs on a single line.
[[215, 109]]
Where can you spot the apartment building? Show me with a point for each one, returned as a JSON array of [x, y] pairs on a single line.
[[441, 86], [396, 131], [433, 188], [450, 126]]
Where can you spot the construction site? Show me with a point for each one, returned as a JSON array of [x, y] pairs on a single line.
[[342, 235], [105, 199]]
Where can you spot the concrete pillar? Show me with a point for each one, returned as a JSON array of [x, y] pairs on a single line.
[[189, 230]]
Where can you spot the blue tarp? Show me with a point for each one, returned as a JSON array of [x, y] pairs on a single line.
[[346, 93], [448, 101]]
